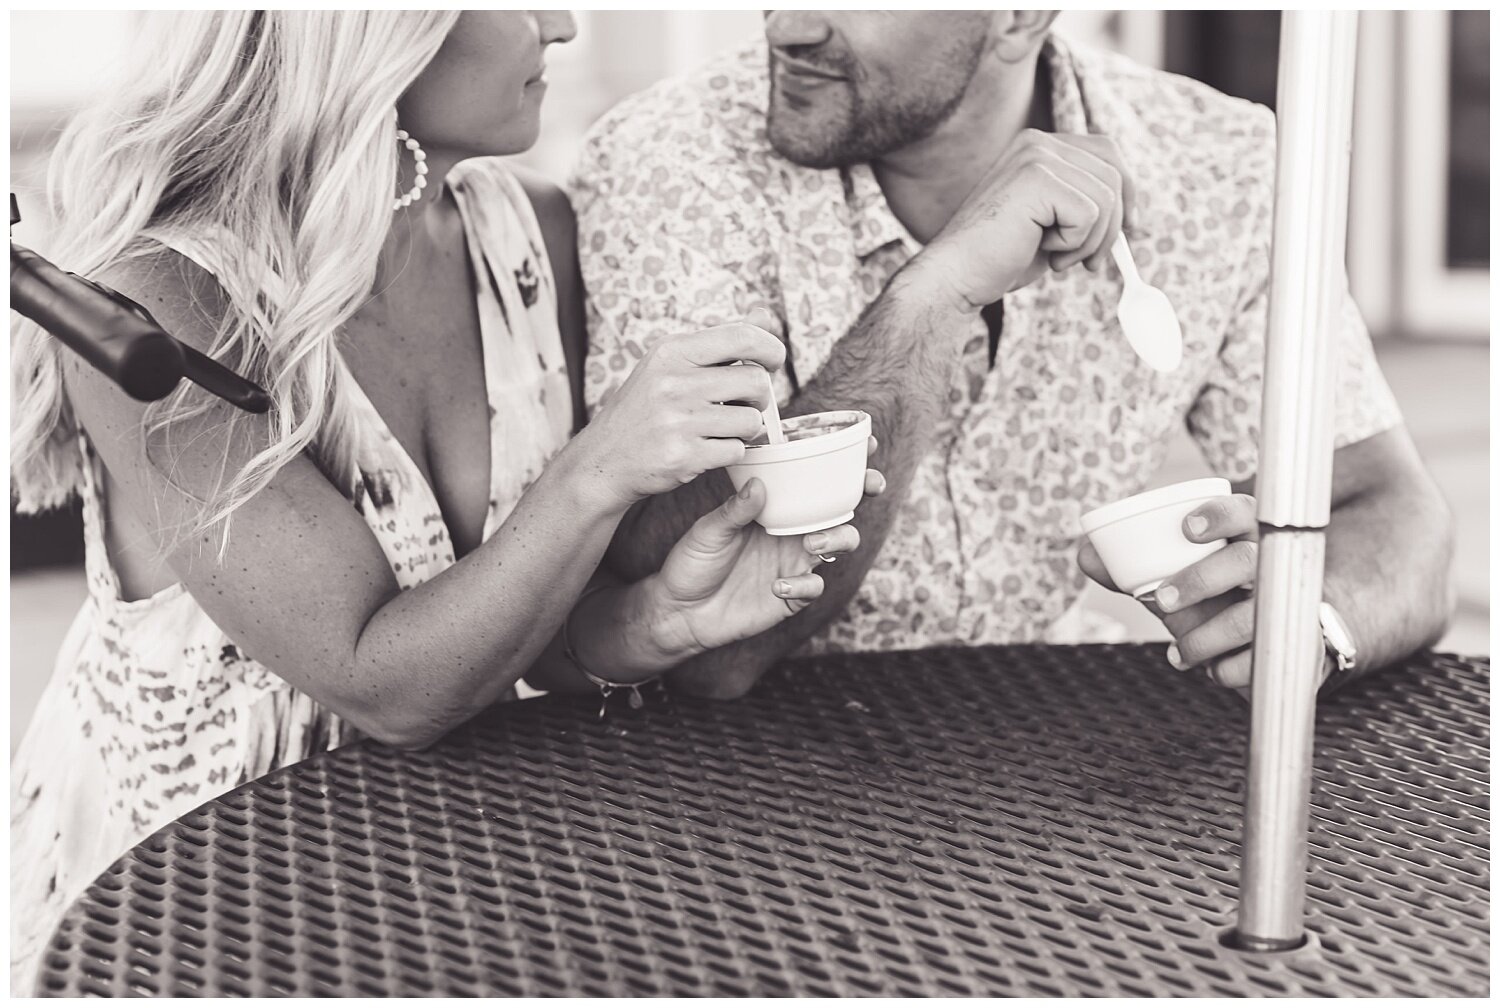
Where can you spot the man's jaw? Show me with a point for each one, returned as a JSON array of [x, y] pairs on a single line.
[[800, 134]]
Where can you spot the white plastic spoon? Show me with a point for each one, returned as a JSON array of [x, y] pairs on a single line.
[[1150, 324], [771, 415], [772, 418]]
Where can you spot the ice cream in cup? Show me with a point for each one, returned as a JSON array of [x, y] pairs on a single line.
[[816, 478], [1140, 539]]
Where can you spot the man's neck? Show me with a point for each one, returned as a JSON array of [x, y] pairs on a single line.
[[926, 182]]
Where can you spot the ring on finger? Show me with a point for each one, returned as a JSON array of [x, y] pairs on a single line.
[[827, 559]]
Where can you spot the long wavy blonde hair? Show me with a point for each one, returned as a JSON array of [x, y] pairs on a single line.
[[271, 134]]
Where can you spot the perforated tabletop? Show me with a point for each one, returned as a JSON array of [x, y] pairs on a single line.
[[1009, 821]]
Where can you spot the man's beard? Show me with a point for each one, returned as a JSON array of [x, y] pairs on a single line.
[[859, 121]]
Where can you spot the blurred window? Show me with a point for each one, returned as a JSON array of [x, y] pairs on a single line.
[[1232, 51], [1467, 244]]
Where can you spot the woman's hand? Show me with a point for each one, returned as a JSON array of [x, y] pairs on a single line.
[[671, 421], [727, 579]]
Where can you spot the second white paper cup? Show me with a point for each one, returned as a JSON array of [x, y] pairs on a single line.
[[1140, 538], [812, 483]]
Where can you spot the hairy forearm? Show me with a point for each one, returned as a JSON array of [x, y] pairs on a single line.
[[896, 364], [1397, 598]]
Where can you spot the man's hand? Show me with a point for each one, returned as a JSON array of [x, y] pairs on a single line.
[[1050, 200], [1207, 607]]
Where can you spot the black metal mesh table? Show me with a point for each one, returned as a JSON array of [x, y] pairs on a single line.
[[1012, 821]]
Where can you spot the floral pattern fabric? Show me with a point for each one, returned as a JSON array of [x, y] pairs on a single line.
[[152, 710], [687, 218]]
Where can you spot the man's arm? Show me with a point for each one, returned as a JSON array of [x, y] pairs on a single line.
[[1389, 552], [1389, 540], [896, 364], [1050, 201], [1388, 561], [1387, 565]]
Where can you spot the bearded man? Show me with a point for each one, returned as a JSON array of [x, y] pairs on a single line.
[[922, 204]]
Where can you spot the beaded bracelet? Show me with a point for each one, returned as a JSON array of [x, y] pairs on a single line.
[[606, 688]]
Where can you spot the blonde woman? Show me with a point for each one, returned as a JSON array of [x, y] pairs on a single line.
[[400, 542]]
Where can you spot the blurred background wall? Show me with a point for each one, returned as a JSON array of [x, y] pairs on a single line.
[[1418, 246]]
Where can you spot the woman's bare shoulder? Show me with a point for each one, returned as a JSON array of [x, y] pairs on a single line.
[[188, 304], [179, 293]]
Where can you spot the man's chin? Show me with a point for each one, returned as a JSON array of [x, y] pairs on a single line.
[[800, 148]]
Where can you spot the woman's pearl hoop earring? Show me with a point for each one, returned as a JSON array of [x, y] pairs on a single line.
[[404, 138]]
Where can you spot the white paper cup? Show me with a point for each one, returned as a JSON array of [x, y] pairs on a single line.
[[1140, 538], [812, 482]]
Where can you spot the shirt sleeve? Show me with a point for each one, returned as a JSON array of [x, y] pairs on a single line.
[[1225, 417], [663, 251]]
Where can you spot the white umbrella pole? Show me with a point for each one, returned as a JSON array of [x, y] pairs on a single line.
[[1314, 99]]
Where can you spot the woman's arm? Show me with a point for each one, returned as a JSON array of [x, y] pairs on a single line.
[[304, 587]]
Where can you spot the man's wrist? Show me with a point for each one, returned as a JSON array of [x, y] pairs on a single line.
[[925, 324], [926, 283]]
